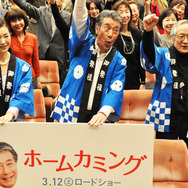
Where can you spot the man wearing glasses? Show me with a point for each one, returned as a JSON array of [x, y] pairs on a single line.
[[168, 109]]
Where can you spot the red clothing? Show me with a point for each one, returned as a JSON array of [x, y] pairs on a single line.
[[27, 51], [155, 10]]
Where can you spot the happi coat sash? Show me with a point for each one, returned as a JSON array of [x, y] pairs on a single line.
[[159, 109], [68, 103], [22, 93]]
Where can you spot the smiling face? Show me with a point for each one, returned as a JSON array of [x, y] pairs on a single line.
[[107, 33], [5, 39], [93, 11], [180, 10], [181, 39], [124, 13], [135, 13], [17, 25], [168, 22], [8, 169]]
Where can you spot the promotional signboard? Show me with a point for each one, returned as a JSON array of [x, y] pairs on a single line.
[[80, 156]]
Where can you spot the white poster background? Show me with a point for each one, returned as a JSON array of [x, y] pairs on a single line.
[[116, 143]]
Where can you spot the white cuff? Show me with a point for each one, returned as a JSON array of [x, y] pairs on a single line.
[[107, 110], [15, 111]]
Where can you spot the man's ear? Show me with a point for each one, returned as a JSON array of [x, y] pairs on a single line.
[[171, 39]]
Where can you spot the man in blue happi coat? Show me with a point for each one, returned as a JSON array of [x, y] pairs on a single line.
[[93, 89], [168, 109]]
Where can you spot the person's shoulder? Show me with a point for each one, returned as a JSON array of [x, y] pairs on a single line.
[[120, 59], [31, 35], [23, 64]]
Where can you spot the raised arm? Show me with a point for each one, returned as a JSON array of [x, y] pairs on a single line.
[[32, 11], [59, 20], [147, 6], [80, 16], [148, 44]]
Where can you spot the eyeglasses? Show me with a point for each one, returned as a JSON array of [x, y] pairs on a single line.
[[181, 37]]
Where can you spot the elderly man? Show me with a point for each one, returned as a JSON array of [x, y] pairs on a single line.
[[93, 89], [8, 166], [168, 109], [50, 41]]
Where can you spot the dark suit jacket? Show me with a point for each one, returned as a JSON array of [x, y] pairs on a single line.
[[53, 44], [37, 3]]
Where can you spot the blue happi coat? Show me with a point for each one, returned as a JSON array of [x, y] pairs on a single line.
[[159, 109], [68, 102], [22, 93]]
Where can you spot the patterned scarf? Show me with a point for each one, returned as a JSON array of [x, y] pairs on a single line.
[[99, 86], [5, 96]]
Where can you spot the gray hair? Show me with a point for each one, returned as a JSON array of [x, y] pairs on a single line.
[[110, 14], [6, 147], [178, 23]]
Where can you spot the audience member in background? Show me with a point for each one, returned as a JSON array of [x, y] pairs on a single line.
[[180, 6], [93, 89], [94, 8], [16, 89], [136, 15], [23, 44], [168, 107], [128, 44], [109, 4], [166, 21], [51, 44]]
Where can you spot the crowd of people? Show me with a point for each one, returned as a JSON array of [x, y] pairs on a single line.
[[102, 48]]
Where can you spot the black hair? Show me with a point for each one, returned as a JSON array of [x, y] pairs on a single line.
[[7, 147], [16, 13], [111, 14], [124, 2], [96, 2], [164, 14]]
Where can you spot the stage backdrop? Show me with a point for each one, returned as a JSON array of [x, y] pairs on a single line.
[[81, 156]]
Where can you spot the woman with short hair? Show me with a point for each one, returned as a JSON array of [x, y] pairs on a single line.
[[24, 44], [166, 21], [180, 6]]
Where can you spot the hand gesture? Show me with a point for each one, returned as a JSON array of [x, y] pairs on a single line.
[[150, 21], [6, 118]]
